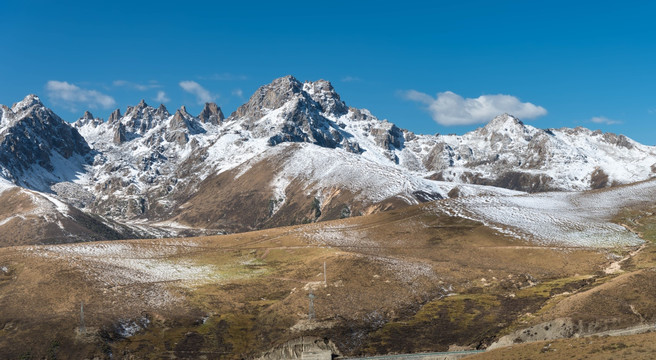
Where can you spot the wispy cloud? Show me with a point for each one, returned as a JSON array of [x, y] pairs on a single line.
[[72, 96], [136, 86], [224, 77], [449, 108], [161, 97], [194, 88], [604, 120], [238, 93], [351, 79]]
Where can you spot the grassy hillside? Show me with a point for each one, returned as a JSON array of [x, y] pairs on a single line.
[[395, 281]]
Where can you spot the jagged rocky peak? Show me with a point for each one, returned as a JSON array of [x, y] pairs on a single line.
[[162, 111], [32, 110], [88, 119], [142, 117], [211, 114], [114, 117], [33, 138], [138, 110], [318, 95], [322, 92], [29, 101], [181, 125], [301, 112], [269, 97], [180, 118]]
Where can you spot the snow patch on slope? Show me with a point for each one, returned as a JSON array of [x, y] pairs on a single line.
[[120, 264], [565, 218], [5, 185]]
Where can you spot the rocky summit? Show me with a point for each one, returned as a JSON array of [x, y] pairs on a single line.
[[294, 153]]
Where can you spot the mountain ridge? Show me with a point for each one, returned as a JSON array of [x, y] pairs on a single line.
[[307, 155]]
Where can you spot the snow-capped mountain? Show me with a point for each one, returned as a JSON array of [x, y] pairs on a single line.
[[295, 152], [510, 154], [37, 147]]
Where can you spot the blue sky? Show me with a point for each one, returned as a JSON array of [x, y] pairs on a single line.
[[429, 66]]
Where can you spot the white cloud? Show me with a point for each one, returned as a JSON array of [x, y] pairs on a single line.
[[452, 109], [238, 93], [136, 86], [202, 94], [604, 120], [72, 96], [161, 97]]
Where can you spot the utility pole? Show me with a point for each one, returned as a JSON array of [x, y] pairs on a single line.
[[311, 314], [82, 327]]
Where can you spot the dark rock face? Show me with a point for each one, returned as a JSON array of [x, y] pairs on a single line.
[[325, 95], [211, 114], [302, 108], [423, 196], [34, 136], [271, 96], [617, 140], [598, 179], [513, 180], [390, 138], [304, 123]]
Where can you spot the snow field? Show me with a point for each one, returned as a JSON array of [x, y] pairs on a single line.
[[557, 218]]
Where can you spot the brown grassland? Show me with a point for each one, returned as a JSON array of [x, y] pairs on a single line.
[[406, 280]]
